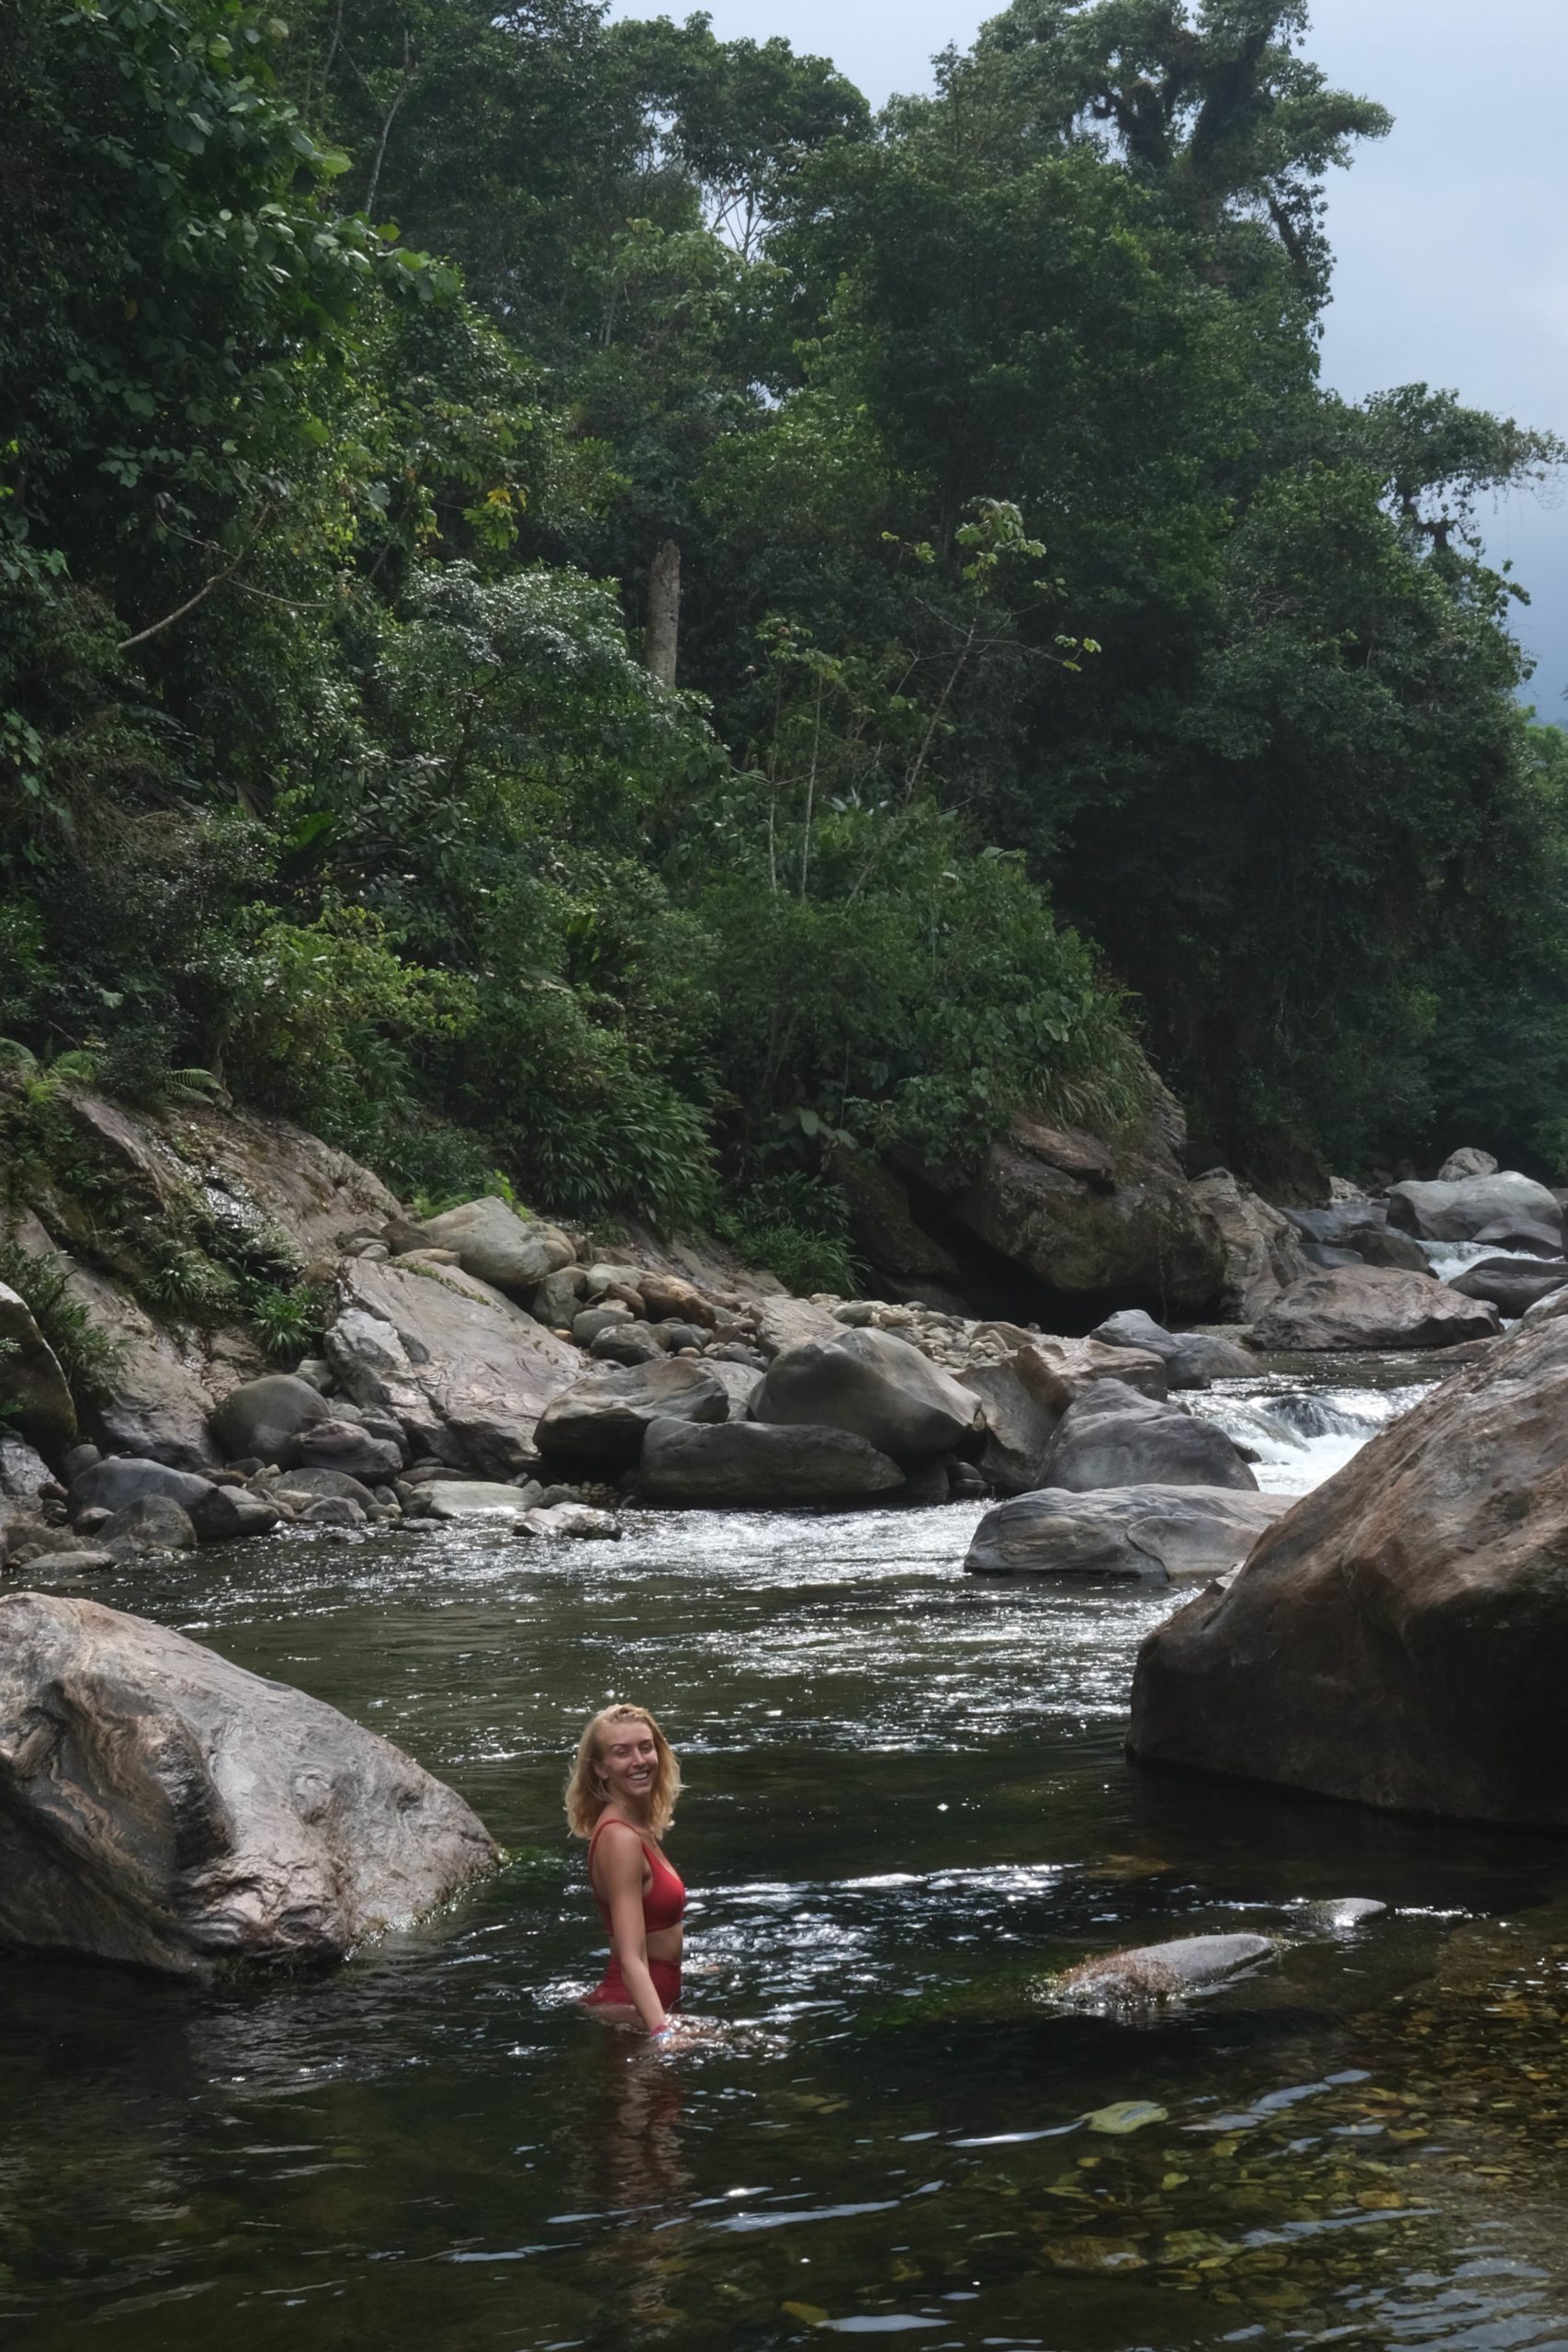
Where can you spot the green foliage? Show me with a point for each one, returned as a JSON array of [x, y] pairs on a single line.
[[89, 1356], [1050, 640], [288, 1323], [797, 1227]]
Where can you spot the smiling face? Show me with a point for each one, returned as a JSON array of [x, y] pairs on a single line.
[[629, 1764]]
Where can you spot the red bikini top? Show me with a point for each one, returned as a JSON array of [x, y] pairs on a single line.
[[664, 1900]]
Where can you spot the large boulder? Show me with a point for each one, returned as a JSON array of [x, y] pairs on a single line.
[[34, 1394], [347, 1446], [162, 1807], [261, 1419], [466, 1372], [1019, 1419], [1064, 1368], [1401, 1637], [24, 1473], [598, 1425], [1113, 1436], [497, 1246], [1192, 1359], [874, 1384], [1511, 1284], [1370, 1307], [1088, 1223], [1461, 1210], [1469, 1160], [1261, 1249], [1147, 1534], [1523, 1235], [219, 1514], [783, 1323], [753, 1465]]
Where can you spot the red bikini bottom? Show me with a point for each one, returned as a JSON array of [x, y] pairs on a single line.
[[611, 1992]]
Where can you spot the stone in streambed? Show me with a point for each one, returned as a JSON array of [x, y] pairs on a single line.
[[1523, 1235], [1192, 1359], [23, 1473], [598, 1426], [152, 1523], [573, 1523], [756, 1465], [457, 1500], [1144, 1534], [264, 1417], [1150, 1976], [218, 1513], [497, 1246], [1510, 1287], [874, 1386], [162, 1807], [1112, 1436], [1371, 1307], [1460, 1212], [345, 1446], [1401, 1638], [1020, 1420]]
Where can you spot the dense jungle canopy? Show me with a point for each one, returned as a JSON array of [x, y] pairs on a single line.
[[1063, 674]]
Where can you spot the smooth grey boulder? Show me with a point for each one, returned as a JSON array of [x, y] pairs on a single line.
[[162, 1807], [1399, 1639], [261, 1419], [1151, 1974], [1459, 1212], [1112, 1436], [497, 1246], [758, 1466], [348, 1447], [627, 1343], [1020, 1420], [599, 1423], [34, 1394], [1524, 1234], [1510, 1285], [874, 1385], [1380, 1245], [1371, 1307], [1192, 1359], [117, 1480], [151, 1523], [464, 1370], [219, 1514], [555, 1300], [1145, 1533]]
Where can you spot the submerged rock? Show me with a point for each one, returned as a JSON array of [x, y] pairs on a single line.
[[1146, 1533], [1400, 1638], [1153, 1974], [1113, 1436], [162, 1807]]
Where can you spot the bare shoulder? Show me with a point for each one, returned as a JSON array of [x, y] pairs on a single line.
[[617, 1856]]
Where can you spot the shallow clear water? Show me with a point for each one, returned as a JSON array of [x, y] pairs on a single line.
[[908, 1804]]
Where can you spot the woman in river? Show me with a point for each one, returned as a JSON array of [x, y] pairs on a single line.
[[621, 1797]]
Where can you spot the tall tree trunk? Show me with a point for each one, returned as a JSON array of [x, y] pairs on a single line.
[[663, 613]]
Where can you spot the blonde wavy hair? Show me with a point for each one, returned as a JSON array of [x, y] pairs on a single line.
[[586, 1793]]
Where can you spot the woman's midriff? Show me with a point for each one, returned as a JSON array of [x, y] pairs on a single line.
[[612, 1992]]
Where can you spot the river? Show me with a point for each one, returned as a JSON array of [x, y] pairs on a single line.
[[906, 1806]]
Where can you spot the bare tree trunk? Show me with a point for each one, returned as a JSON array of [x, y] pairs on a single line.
[[663, 613], [391, 115]]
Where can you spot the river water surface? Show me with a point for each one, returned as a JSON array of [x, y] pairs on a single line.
[[907, 1808]]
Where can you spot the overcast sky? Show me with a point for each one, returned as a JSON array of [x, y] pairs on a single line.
[[1452, 236]]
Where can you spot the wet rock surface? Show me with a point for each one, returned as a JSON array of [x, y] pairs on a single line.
[[1369, 1308], [752, 1465], [1401, 1638], [1148, 1534], [163, 1807], [1112, 1436]]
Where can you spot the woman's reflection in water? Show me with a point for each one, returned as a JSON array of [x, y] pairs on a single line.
[[635, 2168]]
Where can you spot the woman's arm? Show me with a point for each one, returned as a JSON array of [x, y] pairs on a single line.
[[619, 1872]]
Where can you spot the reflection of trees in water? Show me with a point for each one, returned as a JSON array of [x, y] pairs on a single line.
[[632, 2164]]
